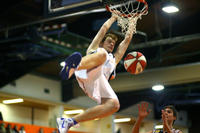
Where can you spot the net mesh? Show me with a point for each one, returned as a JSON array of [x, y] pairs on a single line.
[[128, 13]]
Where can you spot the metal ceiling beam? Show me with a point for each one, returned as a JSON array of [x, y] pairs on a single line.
[[19, 38], [186, 102], [52, 18], [58, 47], [168, 41]]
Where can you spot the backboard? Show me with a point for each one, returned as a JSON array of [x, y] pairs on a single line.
[[57, 7]]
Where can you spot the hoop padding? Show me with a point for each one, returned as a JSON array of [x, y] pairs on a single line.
[[128, 13]]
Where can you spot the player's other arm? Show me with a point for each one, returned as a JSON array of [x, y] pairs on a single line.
[[101, 33], [142, 113], [123, 45], [137, 125]]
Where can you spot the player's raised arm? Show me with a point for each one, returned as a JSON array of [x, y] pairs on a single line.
[[127, 16], [101, 33], [124, 44]]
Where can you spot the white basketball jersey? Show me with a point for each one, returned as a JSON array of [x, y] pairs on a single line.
[[96, 84], [109, 66]]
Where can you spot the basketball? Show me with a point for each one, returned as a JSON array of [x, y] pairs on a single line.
[[135, 62]]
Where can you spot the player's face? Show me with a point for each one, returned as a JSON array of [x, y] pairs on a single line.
[[109, 44], [169, 114]]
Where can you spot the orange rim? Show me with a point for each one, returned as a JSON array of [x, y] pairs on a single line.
[[128, 15]]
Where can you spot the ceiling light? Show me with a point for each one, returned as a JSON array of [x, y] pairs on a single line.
[[70, 112], [19, 100], [157, 87], [122, 120], [170, 9], [62, 64]]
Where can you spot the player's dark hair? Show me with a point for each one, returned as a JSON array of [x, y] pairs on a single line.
[[175, 113], [112, 35]]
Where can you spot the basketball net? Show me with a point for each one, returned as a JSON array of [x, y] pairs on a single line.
[[128, 13]]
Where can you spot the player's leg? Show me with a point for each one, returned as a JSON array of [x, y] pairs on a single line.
[[75, 61], [93, 60], [108, 107]]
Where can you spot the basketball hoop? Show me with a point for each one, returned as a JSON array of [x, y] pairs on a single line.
[[127, 12]]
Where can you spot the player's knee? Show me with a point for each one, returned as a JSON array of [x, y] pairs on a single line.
[[102, 55], [115, 105]]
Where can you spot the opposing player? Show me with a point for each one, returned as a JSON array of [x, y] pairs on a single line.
[[169, 115], [92, 73]]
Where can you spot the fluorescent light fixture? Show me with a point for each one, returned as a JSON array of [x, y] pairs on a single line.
[[158, 126], [122, 120], [62, 64], [70, 112], [19, 100], [157, 87], [170, 9]]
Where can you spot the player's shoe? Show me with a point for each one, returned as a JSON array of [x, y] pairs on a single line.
[[63, 124], [71, 63]]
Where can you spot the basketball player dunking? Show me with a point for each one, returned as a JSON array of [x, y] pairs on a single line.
[[92, 73]]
